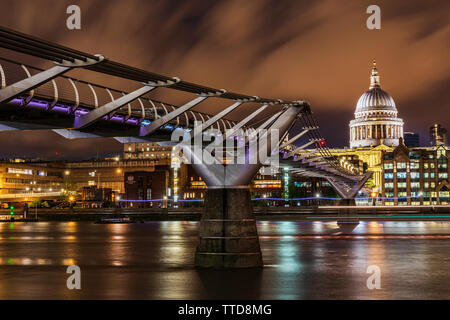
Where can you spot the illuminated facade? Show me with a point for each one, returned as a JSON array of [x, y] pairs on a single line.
[[366, 159], [26, 181], [376, 119], [416, 176], [147, 150], [438, 135]]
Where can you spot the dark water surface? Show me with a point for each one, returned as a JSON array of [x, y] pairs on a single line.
[[154, 260]]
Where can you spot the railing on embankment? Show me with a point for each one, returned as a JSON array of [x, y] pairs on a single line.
[[194, 214], [385, 210]]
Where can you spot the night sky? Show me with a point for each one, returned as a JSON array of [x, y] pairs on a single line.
[[319, 51]]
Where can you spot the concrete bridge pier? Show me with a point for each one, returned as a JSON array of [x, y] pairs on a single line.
[[228, 237], [347, 224], [348, 202]]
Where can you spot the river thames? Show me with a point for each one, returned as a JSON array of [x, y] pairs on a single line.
[[154, 260]]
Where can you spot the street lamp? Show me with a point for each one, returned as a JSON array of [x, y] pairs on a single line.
[[373, 195], [71, 200], [317, 195], [420, 196]]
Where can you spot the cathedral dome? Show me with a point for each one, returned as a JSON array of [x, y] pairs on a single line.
[[375, 98], [376, 120]]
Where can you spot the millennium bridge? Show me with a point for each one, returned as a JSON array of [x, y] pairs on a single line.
[[35, 99]]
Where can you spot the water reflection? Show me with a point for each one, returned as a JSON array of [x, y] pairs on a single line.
[[304, 260]]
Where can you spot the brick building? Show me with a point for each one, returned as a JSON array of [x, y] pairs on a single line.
[[416, 176]]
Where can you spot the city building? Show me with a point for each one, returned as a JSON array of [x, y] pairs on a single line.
[[416, 176], [376, 120], [147, 150], [21, 181], [195, 187], [438, 135], [370, 157], [144, 187], [93, 197], [27, 181], [412, 140]]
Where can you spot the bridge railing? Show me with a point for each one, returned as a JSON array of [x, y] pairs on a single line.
[[71, 93]]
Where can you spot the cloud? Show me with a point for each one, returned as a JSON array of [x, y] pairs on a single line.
[[320, 51]]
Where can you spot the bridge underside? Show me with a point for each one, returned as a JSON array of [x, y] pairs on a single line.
[[33, 117]]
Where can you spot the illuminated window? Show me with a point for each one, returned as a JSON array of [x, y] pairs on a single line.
[[414, 165], [401, 175], [389, 185], [401, 185], [91, 183], [21, 171], [415, 175], [415, 185], [442, 175], [389, 176], [401, 165], [388, 166]]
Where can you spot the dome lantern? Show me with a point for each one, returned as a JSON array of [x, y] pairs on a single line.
[[374, 77]]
